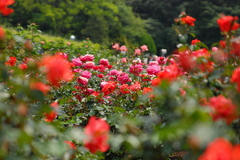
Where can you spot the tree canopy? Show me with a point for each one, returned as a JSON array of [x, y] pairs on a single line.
[[160, 15], [127, 22], [102, 21]]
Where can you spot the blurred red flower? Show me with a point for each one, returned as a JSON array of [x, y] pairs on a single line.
[[236, 46], [11, 61], [188, 20], [236, 78], [97, 132], [206, 66], [149, 91], [156, 81], [219, 149], [222, 43], [193, 42], [228, 23], [187, 61], [57, 69], [71, 145], [40, 86], [124, 89], [108, 88], [4, 7], [23, 66], [236, 152], [169, 73], [50, 116], [223, 108], [135, 87]]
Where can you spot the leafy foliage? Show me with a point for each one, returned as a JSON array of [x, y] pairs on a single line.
[[175, 105]]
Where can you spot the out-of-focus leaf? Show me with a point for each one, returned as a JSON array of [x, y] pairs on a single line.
[[183, 38], [193, 35], [216, 74], [201, 44]]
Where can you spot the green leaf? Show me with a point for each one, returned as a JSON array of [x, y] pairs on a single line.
[[201, 44], [119, 110], [193, 35], [216, 74]]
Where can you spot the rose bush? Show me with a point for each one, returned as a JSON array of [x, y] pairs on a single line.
[[60, 101]]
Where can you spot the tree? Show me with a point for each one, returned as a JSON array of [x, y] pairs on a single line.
[[161, 14], [100, 20]]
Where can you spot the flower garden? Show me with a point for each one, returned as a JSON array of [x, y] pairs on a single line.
[[65, 101]]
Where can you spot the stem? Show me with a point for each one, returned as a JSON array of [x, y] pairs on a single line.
[[228, 38], [32, 33]]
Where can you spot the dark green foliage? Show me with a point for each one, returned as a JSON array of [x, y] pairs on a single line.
[[104, 22], [161, 14], [113, 21]]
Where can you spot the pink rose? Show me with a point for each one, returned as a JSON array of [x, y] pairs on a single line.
[[153, 63], [88, 65], [77, 61], [144, 48], [82, 80], [90, 91], [115, 46], [215, 49], [114, 72], [77, 70], [161, 60], [137, 52], [104, 62], [124, 60], [87, 57], [135, 69], [153, 69], [86, 74], [123, 48], [64, 55], [123, 78]]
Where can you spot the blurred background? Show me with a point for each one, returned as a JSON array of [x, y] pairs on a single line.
[[128, 22]]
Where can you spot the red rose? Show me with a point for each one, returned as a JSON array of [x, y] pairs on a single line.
[[108, 88], [195, 41], [57, 69], [4, 7], [11, 61], [223, 108], [124, 89], [23, 66], [188, 20], [220, 148], [228, 23], [97, 132]]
